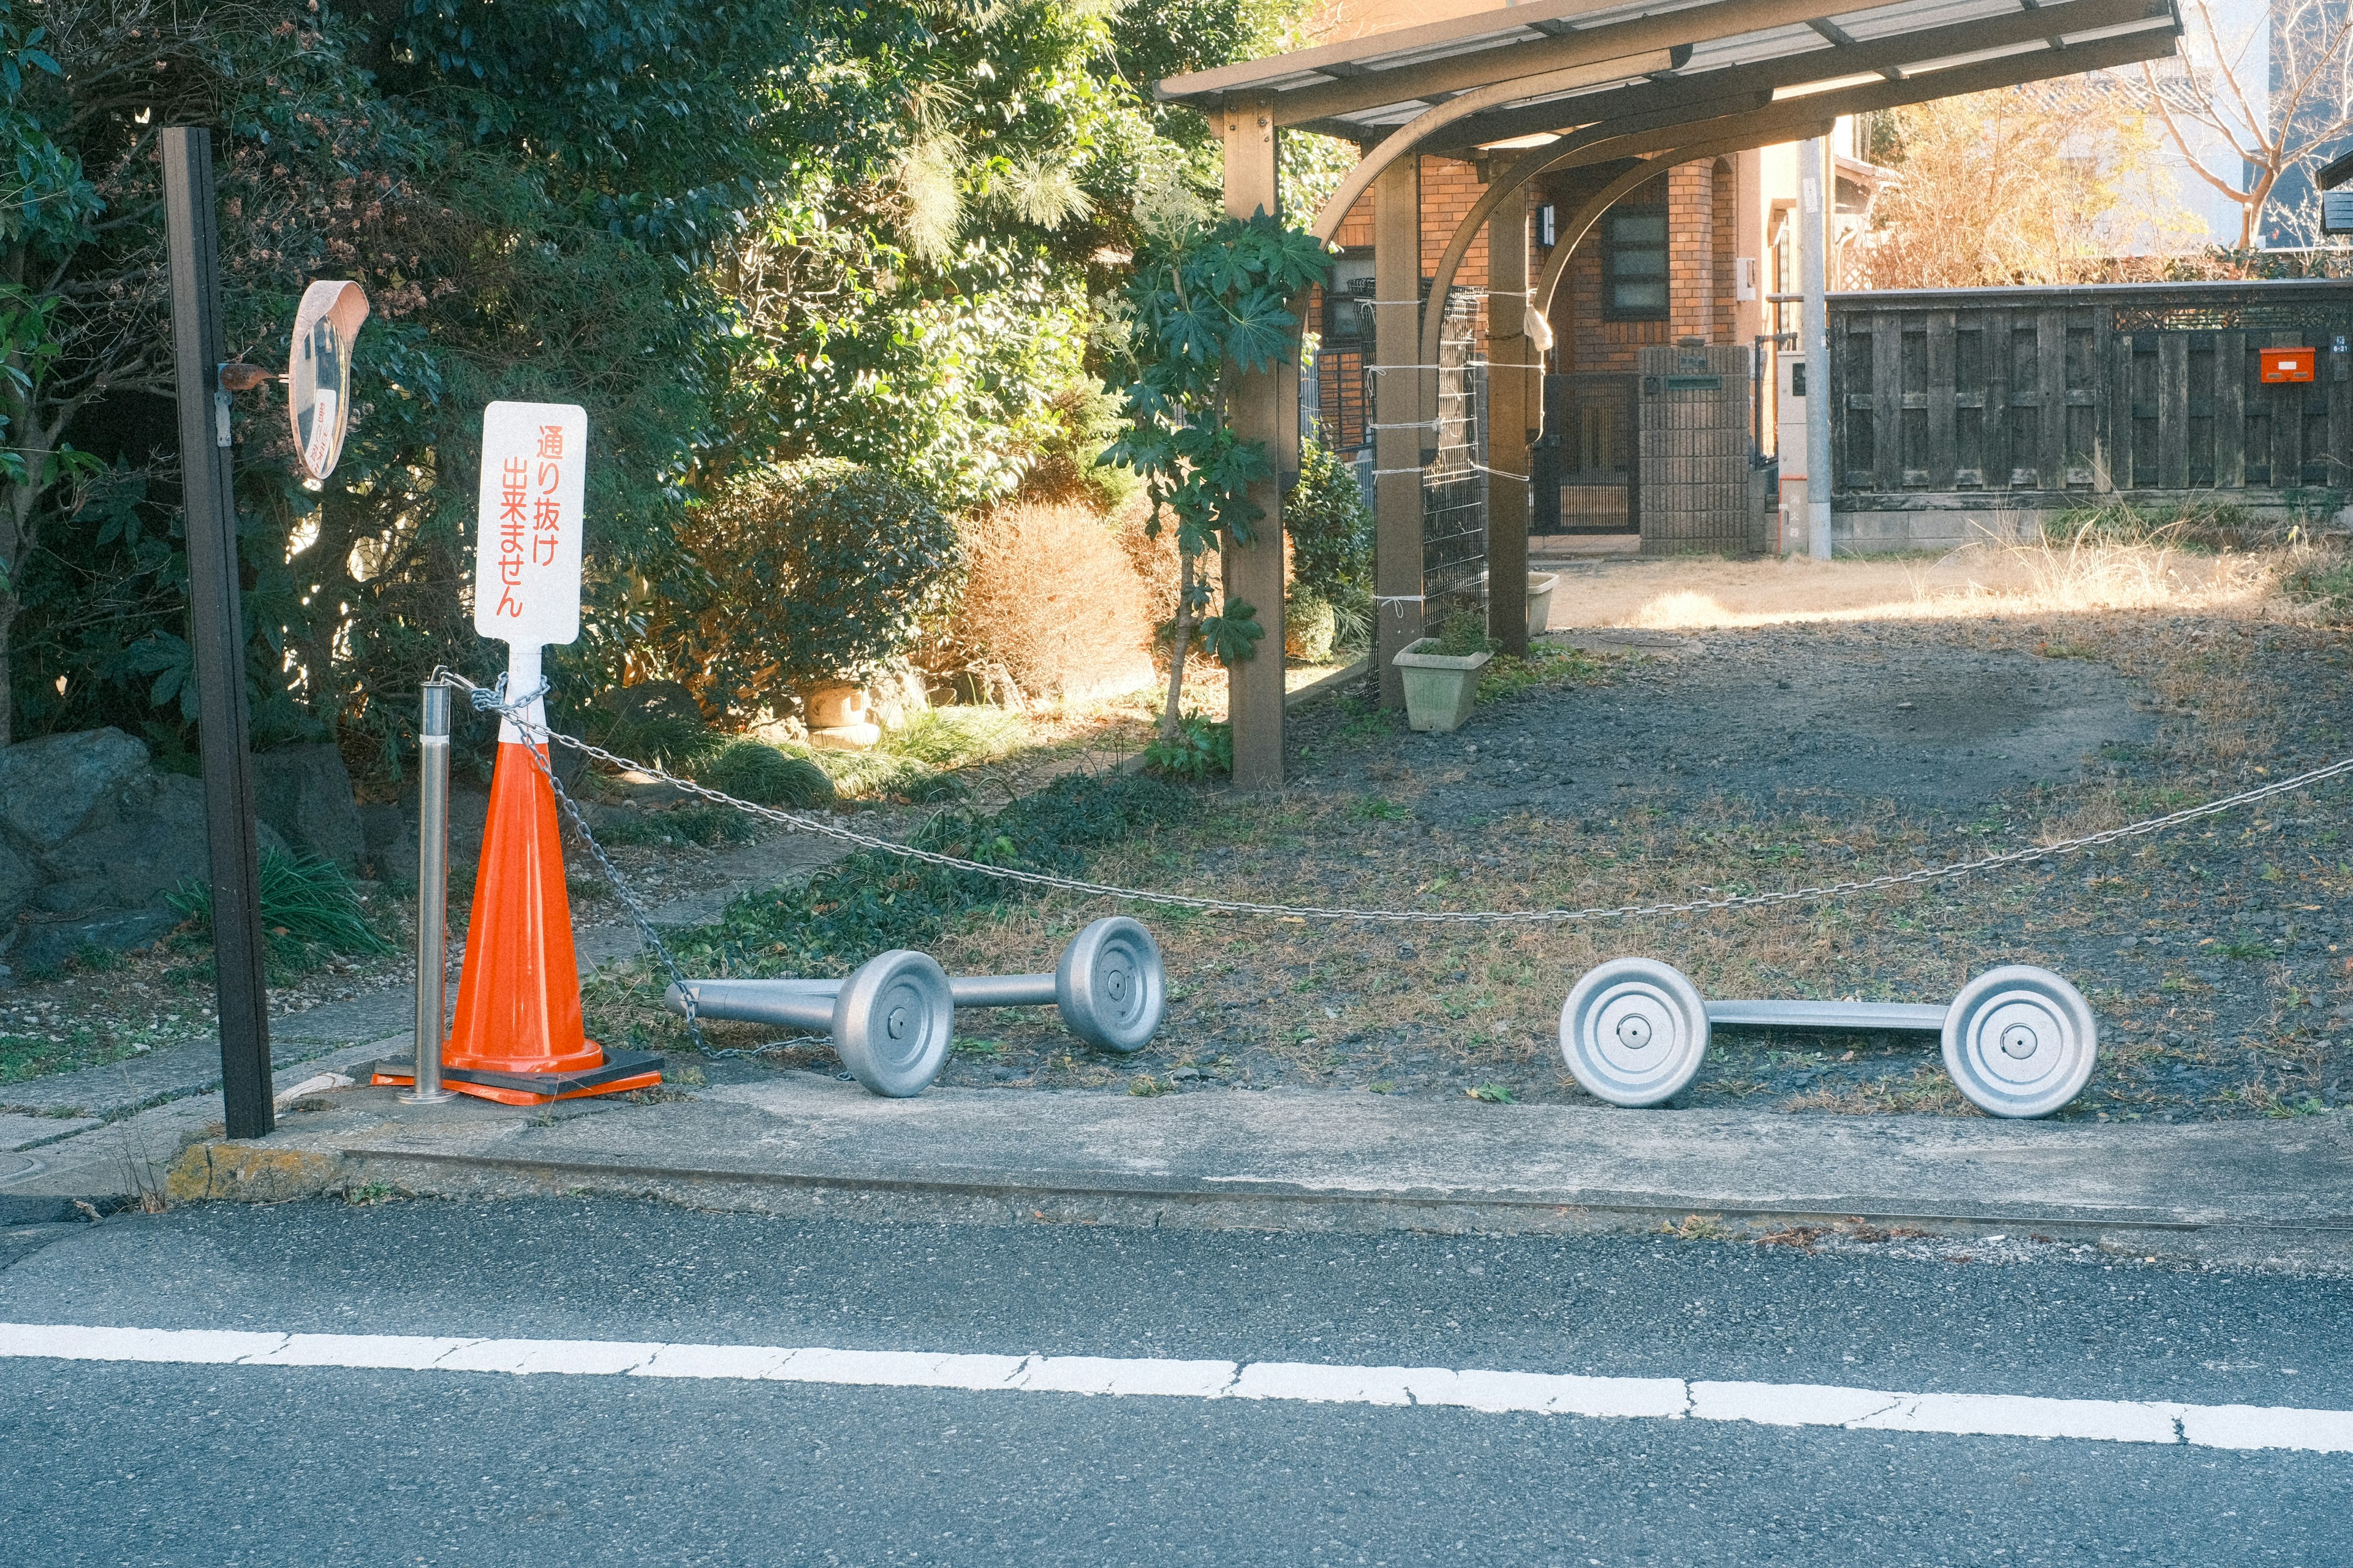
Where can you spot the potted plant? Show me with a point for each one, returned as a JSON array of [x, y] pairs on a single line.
[[1441, 673]]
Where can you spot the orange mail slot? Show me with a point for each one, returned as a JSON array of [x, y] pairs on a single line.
[[2287, 364]]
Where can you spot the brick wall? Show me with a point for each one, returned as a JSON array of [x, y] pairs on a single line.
[[1691, 250], [1723, 211]]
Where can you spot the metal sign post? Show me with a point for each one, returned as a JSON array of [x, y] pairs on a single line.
[[217, 631]]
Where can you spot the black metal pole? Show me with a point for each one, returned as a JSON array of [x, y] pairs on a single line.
[[216, 630]]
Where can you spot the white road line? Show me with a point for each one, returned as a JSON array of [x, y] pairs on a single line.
[[1650, 1398]]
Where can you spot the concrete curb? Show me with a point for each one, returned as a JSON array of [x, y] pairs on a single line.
[[803, 1144]]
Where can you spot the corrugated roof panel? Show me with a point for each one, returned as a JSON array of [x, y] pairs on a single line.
[[1918, 16], [1571, 93], [1617, 13], [2092, 34], [1502, 39], [1976, 56], [1748, 49], [1385, 113]]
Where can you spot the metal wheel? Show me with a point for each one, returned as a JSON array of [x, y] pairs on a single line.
[[1634, 1031], [1110, 985], [2021, 1041], [893, 1022]]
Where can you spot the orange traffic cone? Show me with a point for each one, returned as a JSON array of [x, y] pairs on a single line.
[[517, 1038]]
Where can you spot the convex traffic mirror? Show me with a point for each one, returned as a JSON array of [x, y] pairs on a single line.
[[319, 372]]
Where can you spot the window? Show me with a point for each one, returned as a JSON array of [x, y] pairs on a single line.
[[1634, 265]]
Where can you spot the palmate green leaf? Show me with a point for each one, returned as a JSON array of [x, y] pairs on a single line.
[[1196, 333], [1231, 263], [1234, 465], [1262, 332], [1200, 445], [1297, 260], [1233, 634]]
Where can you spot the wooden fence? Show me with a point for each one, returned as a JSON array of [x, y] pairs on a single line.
[[2043, 399]]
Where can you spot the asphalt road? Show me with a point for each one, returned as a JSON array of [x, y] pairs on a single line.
[[115, 1462]]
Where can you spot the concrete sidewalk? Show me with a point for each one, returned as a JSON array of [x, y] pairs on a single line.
[[805, 1143]]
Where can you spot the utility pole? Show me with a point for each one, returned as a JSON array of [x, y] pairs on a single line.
[[216, 629]]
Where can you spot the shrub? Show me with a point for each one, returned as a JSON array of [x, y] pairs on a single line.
[[308, 908], [1051, 598], [767, 776], [1330, 527], [655, 723], [1309, 626], [1200, 748], [813, 571], [1462, 634], [1080, 422]]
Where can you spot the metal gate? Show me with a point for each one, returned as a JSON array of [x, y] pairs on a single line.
[[1586, 478]]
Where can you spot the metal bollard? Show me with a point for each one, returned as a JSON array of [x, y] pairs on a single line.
[[432, 894], [2018, 1041], [1109, 986]]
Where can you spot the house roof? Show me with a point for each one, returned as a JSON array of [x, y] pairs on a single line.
[[1553, 66]]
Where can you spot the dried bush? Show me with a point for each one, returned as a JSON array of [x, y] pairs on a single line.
[[1154, 558], [813, 571], [1051, 598]]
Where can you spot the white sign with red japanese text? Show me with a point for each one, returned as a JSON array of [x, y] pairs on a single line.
[[527, 549]]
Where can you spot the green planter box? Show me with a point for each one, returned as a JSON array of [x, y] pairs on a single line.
[[1439, 688]]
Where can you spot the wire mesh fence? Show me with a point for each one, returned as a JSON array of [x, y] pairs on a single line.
[[1454, 486]]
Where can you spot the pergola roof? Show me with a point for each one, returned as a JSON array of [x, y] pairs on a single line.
[[1552, 66]]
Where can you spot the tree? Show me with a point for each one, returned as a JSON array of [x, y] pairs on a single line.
[[2266, 130], [2029, 184], [1202, 300]]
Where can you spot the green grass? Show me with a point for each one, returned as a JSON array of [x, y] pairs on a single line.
[[310, 911], [708, 825], [768, 776], [1547, 664], [2326, 581], [915, 762], [873, 901]]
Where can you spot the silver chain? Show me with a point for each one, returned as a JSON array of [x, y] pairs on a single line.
[[1925, 874]]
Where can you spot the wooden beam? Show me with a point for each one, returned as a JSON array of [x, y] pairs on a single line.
[[1253, 572], [1430, 122], [1514, 405], [1397, 409]]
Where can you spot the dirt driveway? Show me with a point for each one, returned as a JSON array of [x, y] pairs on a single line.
[[1707, 759]]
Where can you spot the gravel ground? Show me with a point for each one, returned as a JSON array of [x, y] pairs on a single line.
[[2216, 956]]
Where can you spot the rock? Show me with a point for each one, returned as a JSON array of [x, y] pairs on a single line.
[[49, 787], [47, 944], [389, 834], [305, 793], [143, 841], [895, 697], [847, 737], [837, 706], [18, 880]]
